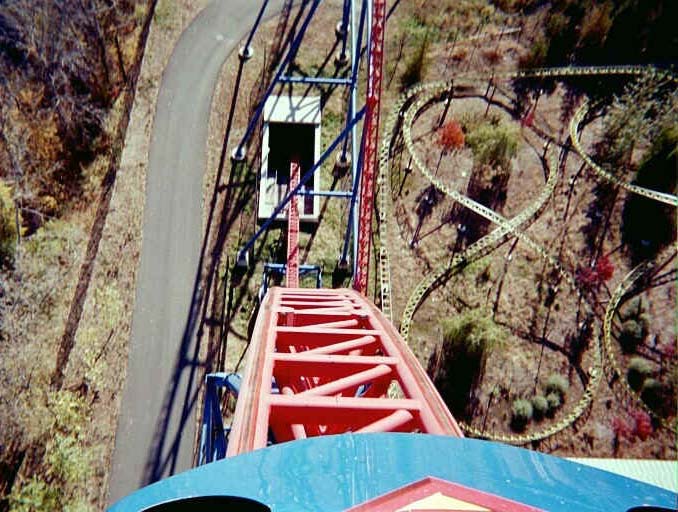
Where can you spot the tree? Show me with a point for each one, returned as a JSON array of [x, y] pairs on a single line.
[[641, 113], [62, 68], [60, 81], [602, 32], [610, 32], [648, 226], [29, 304], [635, 119]]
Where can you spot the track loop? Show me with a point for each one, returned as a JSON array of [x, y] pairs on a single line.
[[418, 98]]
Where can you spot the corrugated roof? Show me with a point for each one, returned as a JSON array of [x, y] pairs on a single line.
[[662, 473]]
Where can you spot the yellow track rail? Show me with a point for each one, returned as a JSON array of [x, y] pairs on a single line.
[[417, 99]]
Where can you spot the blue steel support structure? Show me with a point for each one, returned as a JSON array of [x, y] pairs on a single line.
[[213, 437], [239, 152], [343, 262], [356, 160], [246, 50], [281, 268], [212, 433], [242, 254], [327, 193], [315, 80], [345, 29]]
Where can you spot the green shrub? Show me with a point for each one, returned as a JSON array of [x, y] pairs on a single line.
[[521, 414], [638, 370], [34, 495], [494, 144], [631, 335], [418, 27], [557, 384], [554, 402], [68, 460], [456, 366], [8, 232], [470, 120], [540, 406], [165, 15], [653, 394]]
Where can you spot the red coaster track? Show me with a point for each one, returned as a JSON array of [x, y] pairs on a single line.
[[321, 362], [293, 230], [371, 144]]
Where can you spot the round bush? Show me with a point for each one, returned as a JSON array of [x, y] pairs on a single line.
[[652, 394], [554, 402], [639, 369], [632, 309], [521, 414], [540, 406], [631, 335], [557, 384]]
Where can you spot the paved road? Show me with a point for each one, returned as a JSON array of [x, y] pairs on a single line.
[[156, 428]]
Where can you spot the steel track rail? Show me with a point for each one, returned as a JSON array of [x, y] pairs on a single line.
[[601, 173], [506, 228]]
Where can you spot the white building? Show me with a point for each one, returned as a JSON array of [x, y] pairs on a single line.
[[291, 130]]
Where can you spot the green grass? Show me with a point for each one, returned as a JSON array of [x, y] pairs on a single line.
[[165, 14]]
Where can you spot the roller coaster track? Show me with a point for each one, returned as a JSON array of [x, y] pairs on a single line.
[[622, 289], [332, 357], [405, 112], [602, 173]]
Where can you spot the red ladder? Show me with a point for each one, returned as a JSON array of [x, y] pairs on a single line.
[[293, 229], [321, 362], [371, 143]]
